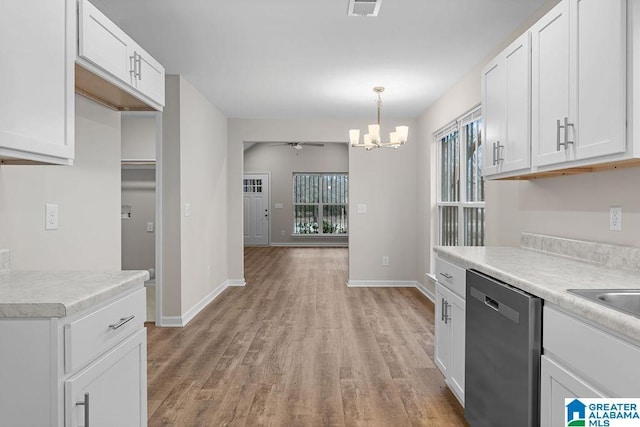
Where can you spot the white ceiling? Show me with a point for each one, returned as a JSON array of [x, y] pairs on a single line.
[[307, 58]]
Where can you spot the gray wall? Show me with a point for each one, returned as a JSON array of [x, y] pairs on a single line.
[[87, 193], [282, 161], [139, 135], [138, 244], [385, 180], [194, 171]]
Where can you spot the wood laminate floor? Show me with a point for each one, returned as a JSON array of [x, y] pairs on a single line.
[[297, 347]]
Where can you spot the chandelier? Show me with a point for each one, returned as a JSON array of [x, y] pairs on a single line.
[[372, 139]]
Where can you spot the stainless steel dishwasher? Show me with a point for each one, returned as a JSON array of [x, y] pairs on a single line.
[[502, 354]]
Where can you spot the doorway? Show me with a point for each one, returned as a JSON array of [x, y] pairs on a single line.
[[255, 202], [140, 193]]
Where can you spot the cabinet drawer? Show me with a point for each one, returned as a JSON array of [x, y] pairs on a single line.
[[91, 335], [595, 355], [451, 276]]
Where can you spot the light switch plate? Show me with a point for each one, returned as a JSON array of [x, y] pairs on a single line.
[[187, 209]]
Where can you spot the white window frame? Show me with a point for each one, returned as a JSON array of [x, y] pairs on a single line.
[[320, 205], [458, 125]]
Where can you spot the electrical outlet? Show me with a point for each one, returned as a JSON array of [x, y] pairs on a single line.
[[615, 218], [51, 217], [150, 227], [385, 260], [282, 232]]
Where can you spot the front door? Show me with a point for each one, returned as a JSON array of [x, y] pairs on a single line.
[[255, 188]]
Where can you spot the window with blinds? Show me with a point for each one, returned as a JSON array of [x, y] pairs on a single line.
[[460, 182], [320, 203]]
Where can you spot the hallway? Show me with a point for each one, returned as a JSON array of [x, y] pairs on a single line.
[[297, 347]]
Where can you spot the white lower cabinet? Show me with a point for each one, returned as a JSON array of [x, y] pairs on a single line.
[[582, 360], [558, 384], [450, 327], [49, 365], [112, 390]]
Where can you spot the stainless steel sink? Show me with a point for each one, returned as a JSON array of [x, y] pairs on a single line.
[[625, 300]]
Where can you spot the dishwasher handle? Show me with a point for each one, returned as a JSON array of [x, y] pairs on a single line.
[[495, 305], [492, 303]]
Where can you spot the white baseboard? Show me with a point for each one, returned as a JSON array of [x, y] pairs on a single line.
[[171, 322], [392, 284], [311, 244], [236, 282], [181, 321], [381, 284], [426, 292]]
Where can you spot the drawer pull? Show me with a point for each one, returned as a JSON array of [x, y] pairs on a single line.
[[446, 276], [85, 403], [122, 321]]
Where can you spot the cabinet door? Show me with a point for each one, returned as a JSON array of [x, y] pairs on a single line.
[[115, 386], [493, 113], [37, 84], [148, 77], [599, 50], [506, 102], [442, 352], [456, 311], [102, 43], [557, 384], [550, 84], [517, 129]]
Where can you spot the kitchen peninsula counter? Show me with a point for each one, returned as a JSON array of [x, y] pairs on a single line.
[[43, 294]]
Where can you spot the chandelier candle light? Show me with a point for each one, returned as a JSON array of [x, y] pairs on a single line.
[[372, 139]]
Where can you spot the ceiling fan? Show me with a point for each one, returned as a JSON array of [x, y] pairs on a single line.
[[298, 145]]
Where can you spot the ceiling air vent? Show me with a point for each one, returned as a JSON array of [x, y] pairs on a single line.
[[364, 7]]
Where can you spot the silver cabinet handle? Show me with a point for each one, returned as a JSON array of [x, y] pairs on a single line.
[[567, 125], [446, 312], [85, 403], [493, 154], [446, 276], [442, 309], [132, 65], [497, 150], [122, 321], [139, 61], [564, 127]]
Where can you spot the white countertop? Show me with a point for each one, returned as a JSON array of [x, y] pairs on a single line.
[[61, 293], [549, 275]]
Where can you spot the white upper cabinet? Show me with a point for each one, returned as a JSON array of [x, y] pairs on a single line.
[[578, 81], [550, 85], [506, 100], [147, 75], [107, 51], [37, 84], [600, 76], [103, 43]]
